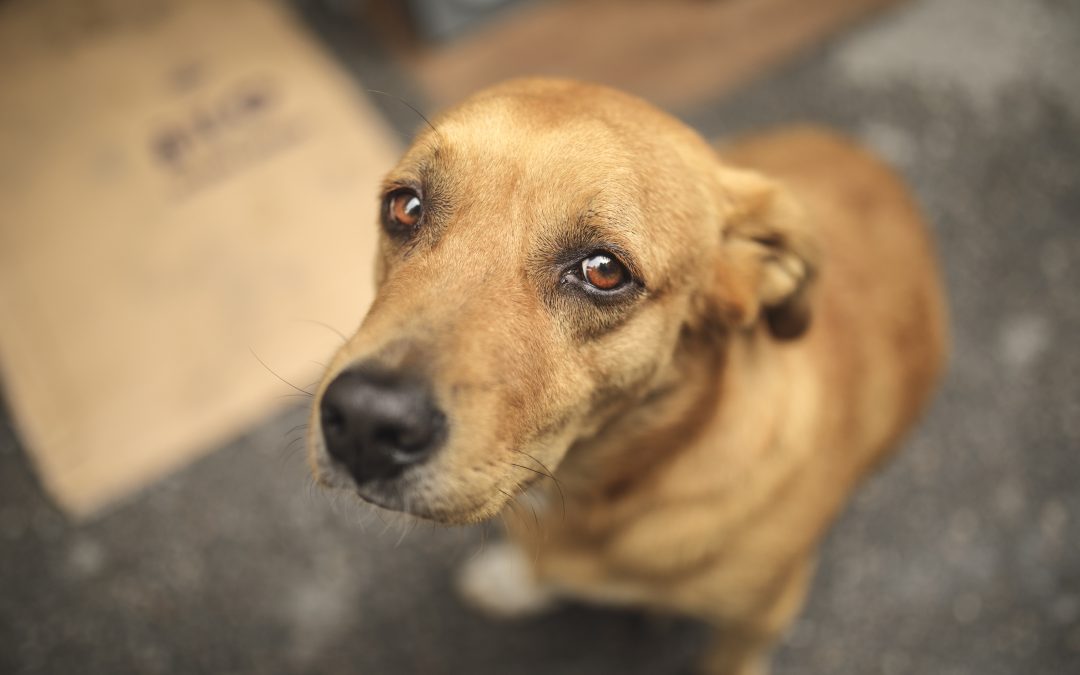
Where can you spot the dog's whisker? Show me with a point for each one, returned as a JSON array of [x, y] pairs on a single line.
[[360, 512], [328, 327], [483, 540], [549, 474], [406, 527], [310, 489], [335, 503], [361, 516], [514, 506], [410, 106], [304, 394], [296, 428], [387, 525], [290, 450], [528, 468], [536, 518], [539, 534], [271, 371], [379, 516], [397, 520], [503, 515], [509, 497]]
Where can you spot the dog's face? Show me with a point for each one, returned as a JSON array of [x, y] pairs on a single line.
[[544, 250]]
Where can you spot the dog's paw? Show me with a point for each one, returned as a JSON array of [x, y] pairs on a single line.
[[500, 582]]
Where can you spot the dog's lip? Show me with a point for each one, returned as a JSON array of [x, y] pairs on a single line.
[[375, 493], [388, 504], [394, 500], [423, 511], [332, 474]]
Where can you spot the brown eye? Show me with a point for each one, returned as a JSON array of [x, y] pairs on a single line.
[[403, 210], [604, 272]]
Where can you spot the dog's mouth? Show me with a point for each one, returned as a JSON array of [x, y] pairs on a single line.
[[380, 496], [421, 492], [411, 502], [429, 491]]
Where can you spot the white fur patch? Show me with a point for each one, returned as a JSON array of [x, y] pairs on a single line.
[[500, 582]]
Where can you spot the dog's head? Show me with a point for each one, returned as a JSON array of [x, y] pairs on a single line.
[[546, 248]]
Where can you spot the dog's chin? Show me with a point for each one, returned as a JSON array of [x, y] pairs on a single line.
[[422, 492], [434, 510], [414, 500]]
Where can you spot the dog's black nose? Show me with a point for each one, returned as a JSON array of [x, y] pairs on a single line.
[[378, 422]]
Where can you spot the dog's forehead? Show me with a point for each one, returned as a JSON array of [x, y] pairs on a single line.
[[502, 158], [508, 139]]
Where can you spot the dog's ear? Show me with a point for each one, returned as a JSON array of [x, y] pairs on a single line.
[[768, 257]]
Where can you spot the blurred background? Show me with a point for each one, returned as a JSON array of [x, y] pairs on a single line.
[[187, 203]]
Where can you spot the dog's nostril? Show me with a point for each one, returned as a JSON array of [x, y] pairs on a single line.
[[333, 422], [413, 437], [395, 437]]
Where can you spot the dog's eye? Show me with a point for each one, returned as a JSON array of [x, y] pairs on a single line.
[[603, 272], [402, 210]]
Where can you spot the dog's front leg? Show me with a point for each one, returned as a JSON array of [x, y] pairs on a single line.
[[501, 581], [743, 646], [507, 582]]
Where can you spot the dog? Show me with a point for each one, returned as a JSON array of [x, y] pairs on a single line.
[[683, 360]]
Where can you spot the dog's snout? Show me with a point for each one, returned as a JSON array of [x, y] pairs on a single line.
[[378, 422]]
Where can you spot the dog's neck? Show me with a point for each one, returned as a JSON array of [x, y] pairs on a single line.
[[658, 427]]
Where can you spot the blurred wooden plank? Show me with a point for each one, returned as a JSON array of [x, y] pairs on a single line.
[[675, 53]]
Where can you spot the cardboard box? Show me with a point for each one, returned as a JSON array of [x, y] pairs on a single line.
[[182, 182]]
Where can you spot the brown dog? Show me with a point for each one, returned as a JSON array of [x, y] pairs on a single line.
[[707, 358]]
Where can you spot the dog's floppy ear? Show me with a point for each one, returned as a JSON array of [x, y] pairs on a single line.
[[768, 257]]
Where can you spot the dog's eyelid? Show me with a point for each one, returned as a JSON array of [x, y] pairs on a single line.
[[630, 263], [577, 245], [598, 230], [392, 185]]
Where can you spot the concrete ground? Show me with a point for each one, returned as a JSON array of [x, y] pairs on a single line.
[[962, 556]]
